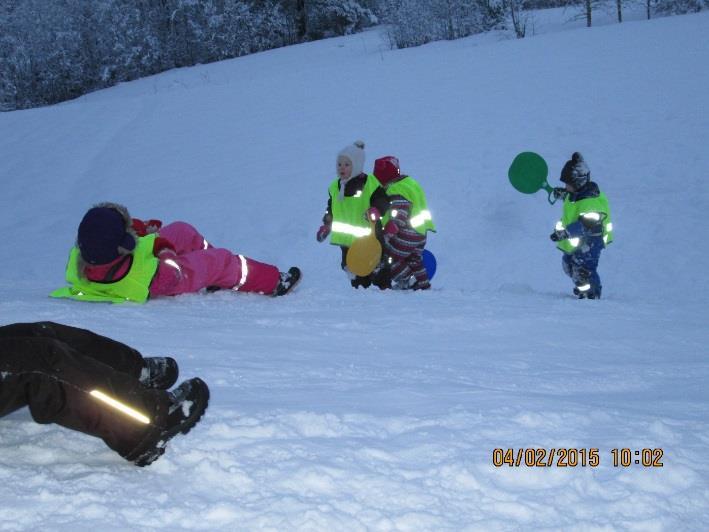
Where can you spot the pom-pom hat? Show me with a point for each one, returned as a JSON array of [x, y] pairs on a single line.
[[575, 172], [355, 153]]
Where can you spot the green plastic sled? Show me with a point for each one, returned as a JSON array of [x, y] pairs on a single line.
[[528, 174]]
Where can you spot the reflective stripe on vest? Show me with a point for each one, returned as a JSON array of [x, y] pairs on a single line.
[[348, 221], [591, 208], [135, 286], [420, 217], [354, 230]]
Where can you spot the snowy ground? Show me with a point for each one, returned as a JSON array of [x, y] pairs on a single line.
[[335, 409]]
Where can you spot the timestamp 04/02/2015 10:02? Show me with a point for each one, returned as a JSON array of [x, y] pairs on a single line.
[[575, 457]]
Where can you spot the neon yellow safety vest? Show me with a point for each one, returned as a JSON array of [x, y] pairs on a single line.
[[586, 207], [135, 286], [420, 217], [348, 213]]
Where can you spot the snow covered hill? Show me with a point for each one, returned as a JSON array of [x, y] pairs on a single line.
[[336, 409]]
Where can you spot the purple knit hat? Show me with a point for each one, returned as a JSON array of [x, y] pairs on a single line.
[[101, 232]]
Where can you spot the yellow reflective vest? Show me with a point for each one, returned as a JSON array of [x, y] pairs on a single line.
[[348, 213], [420, 217], [571, 212], [135, 286]]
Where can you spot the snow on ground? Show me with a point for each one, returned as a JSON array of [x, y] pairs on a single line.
[[335, 409]]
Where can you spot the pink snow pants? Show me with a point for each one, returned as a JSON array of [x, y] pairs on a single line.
[[199, 265]]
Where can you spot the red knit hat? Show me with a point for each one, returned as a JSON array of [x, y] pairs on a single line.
[[386, 169]]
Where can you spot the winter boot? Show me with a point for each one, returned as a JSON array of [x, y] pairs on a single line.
[[381, 276], [580, 293], [594, 293], [364, 282], [287, 281], [585, 291], [422, 285], [403, 282], [187, 405], [159, 372]]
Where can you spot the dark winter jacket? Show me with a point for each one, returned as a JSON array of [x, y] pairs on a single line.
[[589, 190]]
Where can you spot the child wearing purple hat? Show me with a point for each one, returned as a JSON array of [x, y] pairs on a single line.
[[118, 258]]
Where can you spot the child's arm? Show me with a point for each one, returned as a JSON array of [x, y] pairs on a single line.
[[327, 217], [326, 226], [400, 211], [588, 224], [145, 227], [380, 201]]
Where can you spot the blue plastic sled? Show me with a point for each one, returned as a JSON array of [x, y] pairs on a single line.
[[429, 262]]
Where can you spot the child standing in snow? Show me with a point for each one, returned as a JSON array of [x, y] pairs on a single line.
[[585, 227], [355, 199], [118, 258], [86, 382], [405, 226]]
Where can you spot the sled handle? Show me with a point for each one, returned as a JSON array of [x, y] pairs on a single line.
[[550, 193]]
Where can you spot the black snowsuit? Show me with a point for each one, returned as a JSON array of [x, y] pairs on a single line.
[[51, 368]]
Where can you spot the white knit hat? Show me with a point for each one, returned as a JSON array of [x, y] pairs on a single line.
[[355, 153]]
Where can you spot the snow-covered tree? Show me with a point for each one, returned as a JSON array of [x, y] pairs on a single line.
[[53, 50], [679, 7], [415, 22]]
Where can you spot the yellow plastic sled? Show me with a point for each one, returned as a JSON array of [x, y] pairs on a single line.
[[364, 254]]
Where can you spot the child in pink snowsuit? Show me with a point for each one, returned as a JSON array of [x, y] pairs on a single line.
[[117, 256], [192, 263]]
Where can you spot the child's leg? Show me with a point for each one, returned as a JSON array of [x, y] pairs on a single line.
[[184, 237], [591, 266], [567, 264], [355, 280], [218, 267], [55, 381], [584, 272], [398, 251], [405, 249], [418, 269], [117, 355]]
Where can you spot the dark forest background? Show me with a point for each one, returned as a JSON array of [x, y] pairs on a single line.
[[55, 50]]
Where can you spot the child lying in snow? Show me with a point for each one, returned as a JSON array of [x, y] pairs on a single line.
[[118, 258]]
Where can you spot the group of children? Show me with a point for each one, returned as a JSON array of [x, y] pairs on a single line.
[[119, 258], [386, 202], [396, 205], [96, 385], [93, 384]]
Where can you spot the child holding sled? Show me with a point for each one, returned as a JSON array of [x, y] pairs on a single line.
[[585, 228], [356, 202]]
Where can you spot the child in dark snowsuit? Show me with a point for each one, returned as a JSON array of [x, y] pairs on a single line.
[[585, 227], [405, 226], [90, 383], [355, 198]]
